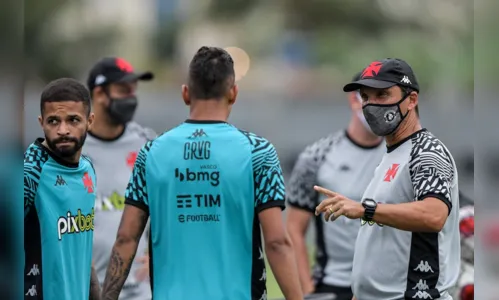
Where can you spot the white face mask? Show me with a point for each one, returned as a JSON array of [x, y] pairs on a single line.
[[360, 114]]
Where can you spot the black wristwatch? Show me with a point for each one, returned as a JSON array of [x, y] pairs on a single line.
[[370, 207]]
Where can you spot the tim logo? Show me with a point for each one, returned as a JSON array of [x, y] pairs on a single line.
[[372, 70], [87, 183], [198, 133], [391, 172]]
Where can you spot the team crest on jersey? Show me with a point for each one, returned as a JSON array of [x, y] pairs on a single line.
[[391, 173], [131, 158], [88, 183]]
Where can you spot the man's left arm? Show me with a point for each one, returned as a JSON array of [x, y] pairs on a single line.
[[133, 222], [432, 179], [131, 229], [94, 285]]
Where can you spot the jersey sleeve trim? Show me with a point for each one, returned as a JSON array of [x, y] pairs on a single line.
[[137, 186], [32, 177], [431, 169], [268, 181], [270, 204], [440, 197], [304, 175], [139, 205], [34, 159]]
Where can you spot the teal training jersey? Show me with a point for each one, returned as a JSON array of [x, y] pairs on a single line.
[[203, 184], [59, 200]]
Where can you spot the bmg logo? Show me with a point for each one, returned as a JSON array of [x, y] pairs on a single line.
[[187, 175]]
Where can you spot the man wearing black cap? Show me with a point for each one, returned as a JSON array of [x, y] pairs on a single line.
[[408, 246], [343, 161], [113, 145]]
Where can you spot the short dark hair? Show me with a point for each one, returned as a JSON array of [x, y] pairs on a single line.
[[211, 73], [65, 89]]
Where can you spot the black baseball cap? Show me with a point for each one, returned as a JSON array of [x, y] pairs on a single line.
[[384, 74], [112, 70]]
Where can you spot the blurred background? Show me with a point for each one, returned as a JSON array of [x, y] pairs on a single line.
[[301, 53]]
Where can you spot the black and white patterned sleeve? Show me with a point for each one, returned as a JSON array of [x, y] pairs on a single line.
[[301, 193], [432, 170]]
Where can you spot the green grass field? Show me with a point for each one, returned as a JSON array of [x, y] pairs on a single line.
[[273, 290]]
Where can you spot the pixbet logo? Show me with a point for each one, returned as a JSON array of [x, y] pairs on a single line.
[[78, 223], [188, 175]]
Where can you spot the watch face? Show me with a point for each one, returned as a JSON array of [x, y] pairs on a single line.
[[369, 203]]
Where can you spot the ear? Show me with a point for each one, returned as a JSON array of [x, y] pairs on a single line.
[[413, 100], [90, 121], [40, 120], [233, 94], [353, 101], [185, 95], [99, 95]]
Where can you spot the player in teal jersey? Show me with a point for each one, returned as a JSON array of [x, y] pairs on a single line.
[[208, 187], [59, 198]]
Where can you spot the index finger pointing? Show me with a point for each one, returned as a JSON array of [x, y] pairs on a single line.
[[324, 191]]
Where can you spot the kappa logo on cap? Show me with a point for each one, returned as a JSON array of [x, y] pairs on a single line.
[[405, 80], [100, 79], [372, 70]]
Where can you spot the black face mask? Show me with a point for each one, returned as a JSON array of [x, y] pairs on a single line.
[[384, 119], [122, 110]]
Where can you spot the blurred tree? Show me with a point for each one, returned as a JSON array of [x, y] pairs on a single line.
[[49, 56], [356, 16], [11, 32], [165, 40], [230, 9], [350, 34]]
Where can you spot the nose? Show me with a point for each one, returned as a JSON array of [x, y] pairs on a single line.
[[63, 129]]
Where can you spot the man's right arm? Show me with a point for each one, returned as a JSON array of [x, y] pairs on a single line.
[[31, 178], [302, 199], [269, 202]]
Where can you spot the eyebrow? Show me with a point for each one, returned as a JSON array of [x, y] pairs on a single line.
[[67, 116]]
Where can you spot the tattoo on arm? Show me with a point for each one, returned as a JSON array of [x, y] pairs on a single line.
[[116, 275], [130, 231], [94, 286]]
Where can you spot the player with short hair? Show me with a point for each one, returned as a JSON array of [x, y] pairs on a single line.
[[408, 246], [345, 162], [113, 144], [207, 187], [59, 197]]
